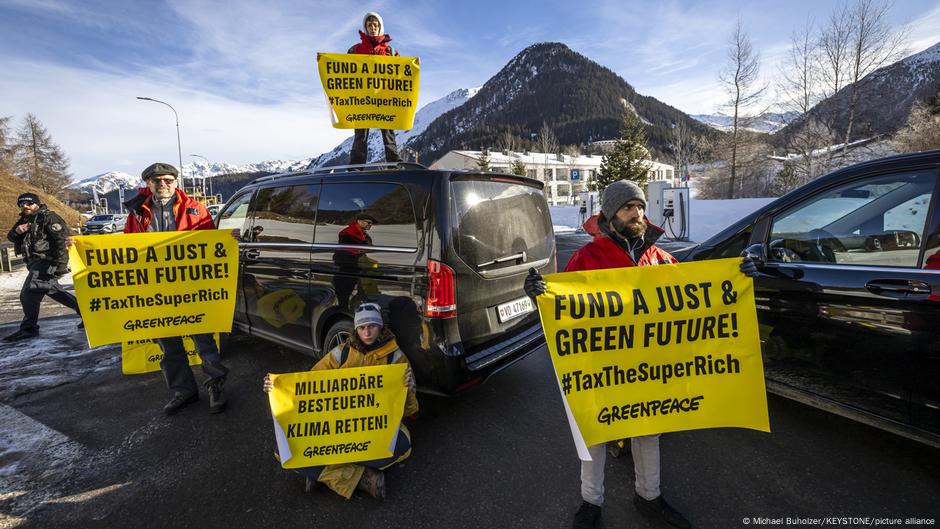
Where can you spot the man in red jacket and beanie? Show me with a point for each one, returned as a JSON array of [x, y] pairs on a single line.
[[374, 41], [623, 237], [162, 206]]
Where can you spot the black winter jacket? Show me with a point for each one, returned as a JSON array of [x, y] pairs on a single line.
[[44, 241]]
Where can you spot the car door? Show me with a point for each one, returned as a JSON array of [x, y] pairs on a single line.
[[844, 298], [235, 217], [276, 263]]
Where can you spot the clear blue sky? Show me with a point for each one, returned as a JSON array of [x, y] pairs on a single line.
[[242, 76]]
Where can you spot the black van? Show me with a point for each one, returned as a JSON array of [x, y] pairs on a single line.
[[444, 253]]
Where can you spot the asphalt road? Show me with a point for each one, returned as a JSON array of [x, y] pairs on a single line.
[[498, 456]]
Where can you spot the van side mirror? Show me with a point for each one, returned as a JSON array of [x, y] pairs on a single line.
[[757, 253]]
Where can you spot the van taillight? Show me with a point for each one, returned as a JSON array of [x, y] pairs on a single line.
[[442, 296]]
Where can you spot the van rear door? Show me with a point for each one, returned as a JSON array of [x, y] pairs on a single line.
[[501, 227]]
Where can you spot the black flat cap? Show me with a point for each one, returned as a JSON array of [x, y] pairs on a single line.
[[159, 168]]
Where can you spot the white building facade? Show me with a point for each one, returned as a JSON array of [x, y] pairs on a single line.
[[565, 176]]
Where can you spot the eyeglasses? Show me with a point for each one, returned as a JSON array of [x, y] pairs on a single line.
[[368, 306], [164, 181]]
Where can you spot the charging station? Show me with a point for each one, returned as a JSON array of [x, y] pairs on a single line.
[[668, 208]]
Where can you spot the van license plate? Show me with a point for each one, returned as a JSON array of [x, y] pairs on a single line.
[[514, 309]]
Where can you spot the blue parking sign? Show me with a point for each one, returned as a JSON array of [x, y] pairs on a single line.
[[576, 174]]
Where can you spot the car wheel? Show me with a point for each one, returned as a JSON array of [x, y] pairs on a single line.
[[338, 334]]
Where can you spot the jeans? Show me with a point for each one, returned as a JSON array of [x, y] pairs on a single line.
[[360, 145], [645, 451], [175, 365]]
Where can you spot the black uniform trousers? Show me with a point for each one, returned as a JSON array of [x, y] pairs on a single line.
[[39, 284], [360, 146]]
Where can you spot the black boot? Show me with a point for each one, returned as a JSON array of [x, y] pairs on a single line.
[[588, 517], [179, 402], [658, 507], [216, 397], [20, 335]]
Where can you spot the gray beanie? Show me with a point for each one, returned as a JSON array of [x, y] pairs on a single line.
[[368, 313], [618, 194]]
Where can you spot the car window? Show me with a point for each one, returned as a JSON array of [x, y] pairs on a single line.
[[388, 205], [235, 216], [284, 214], [877, 221], [495, 220]]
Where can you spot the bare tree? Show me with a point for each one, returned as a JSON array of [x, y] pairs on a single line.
[[873, 43], [922, 132], [39, 160], [508, 141], [547, 142], [740, 78]]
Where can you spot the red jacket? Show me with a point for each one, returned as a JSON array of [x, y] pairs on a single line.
[[374, 46], [603, 253], [190, 214]]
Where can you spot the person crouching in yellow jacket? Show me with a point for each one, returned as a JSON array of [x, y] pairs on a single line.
[[372, 344]]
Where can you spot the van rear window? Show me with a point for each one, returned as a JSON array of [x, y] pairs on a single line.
[[496, 220]]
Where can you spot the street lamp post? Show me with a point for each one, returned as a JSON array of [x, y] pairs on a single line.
[[179, 147], [208, 176]]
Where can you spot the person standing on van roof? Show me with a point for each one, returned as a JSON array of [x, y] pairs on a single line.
[[352, 262], [162, 206], [372, 344], [40, 236], [373, 41], [623, 237]]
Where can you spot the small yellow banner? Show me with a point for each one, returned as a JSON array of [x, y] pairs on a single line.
[[154, 285], [370, 91], [337, 415], [144, 356], [655, 349]]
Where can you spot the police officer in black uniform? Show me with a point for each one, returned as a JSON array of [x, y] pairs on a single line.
[[40, 237]]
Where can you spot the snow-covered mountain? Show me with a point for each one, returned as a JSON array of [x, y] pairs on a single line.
[[107, 182], [768, 122], [423, 117], [201, 169]]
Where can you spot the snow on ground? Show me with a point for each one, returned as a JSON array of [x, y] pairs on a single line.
[[708, 217]]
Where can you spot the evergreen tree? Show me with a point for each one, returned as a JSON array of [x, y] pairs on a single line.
[[626, 160], [6, 147], [484, 162], [39, 160], [518, 168]]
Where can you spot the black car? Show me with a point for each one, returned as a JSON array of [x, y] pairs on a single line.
[[444, 253], [848, 296]]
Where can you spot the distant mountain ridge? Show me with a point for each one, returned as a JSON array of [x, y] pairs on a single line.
[[885, 97], [768, 122], [549, 83]]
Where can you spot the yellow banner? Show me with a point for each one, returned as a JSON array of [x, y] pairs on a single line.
[[154, 285], [370, 91], [337, 415], [654, 349], [144, 356]]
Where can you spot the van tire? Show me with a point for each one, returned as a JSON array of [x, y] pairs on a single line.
[[337, 334]]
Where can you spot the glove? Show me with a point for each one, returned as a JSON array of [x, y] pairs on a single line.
[[61, 270], [534, 284], [748, 267]]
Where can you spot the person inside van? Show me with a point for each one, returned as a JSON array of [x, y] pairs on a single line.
[[372, 344]]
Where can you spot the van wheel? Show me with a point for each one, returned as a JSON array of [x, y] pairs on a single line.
[[339, 332]]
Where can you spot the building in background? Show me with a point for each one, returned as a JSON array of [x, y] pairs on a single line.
[[565, 176]]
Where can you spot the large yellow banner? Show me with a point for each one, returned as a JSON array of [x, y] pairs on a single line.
[[370, 91], [655, 349], [154, 285], [337, 415], [144, 356]]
